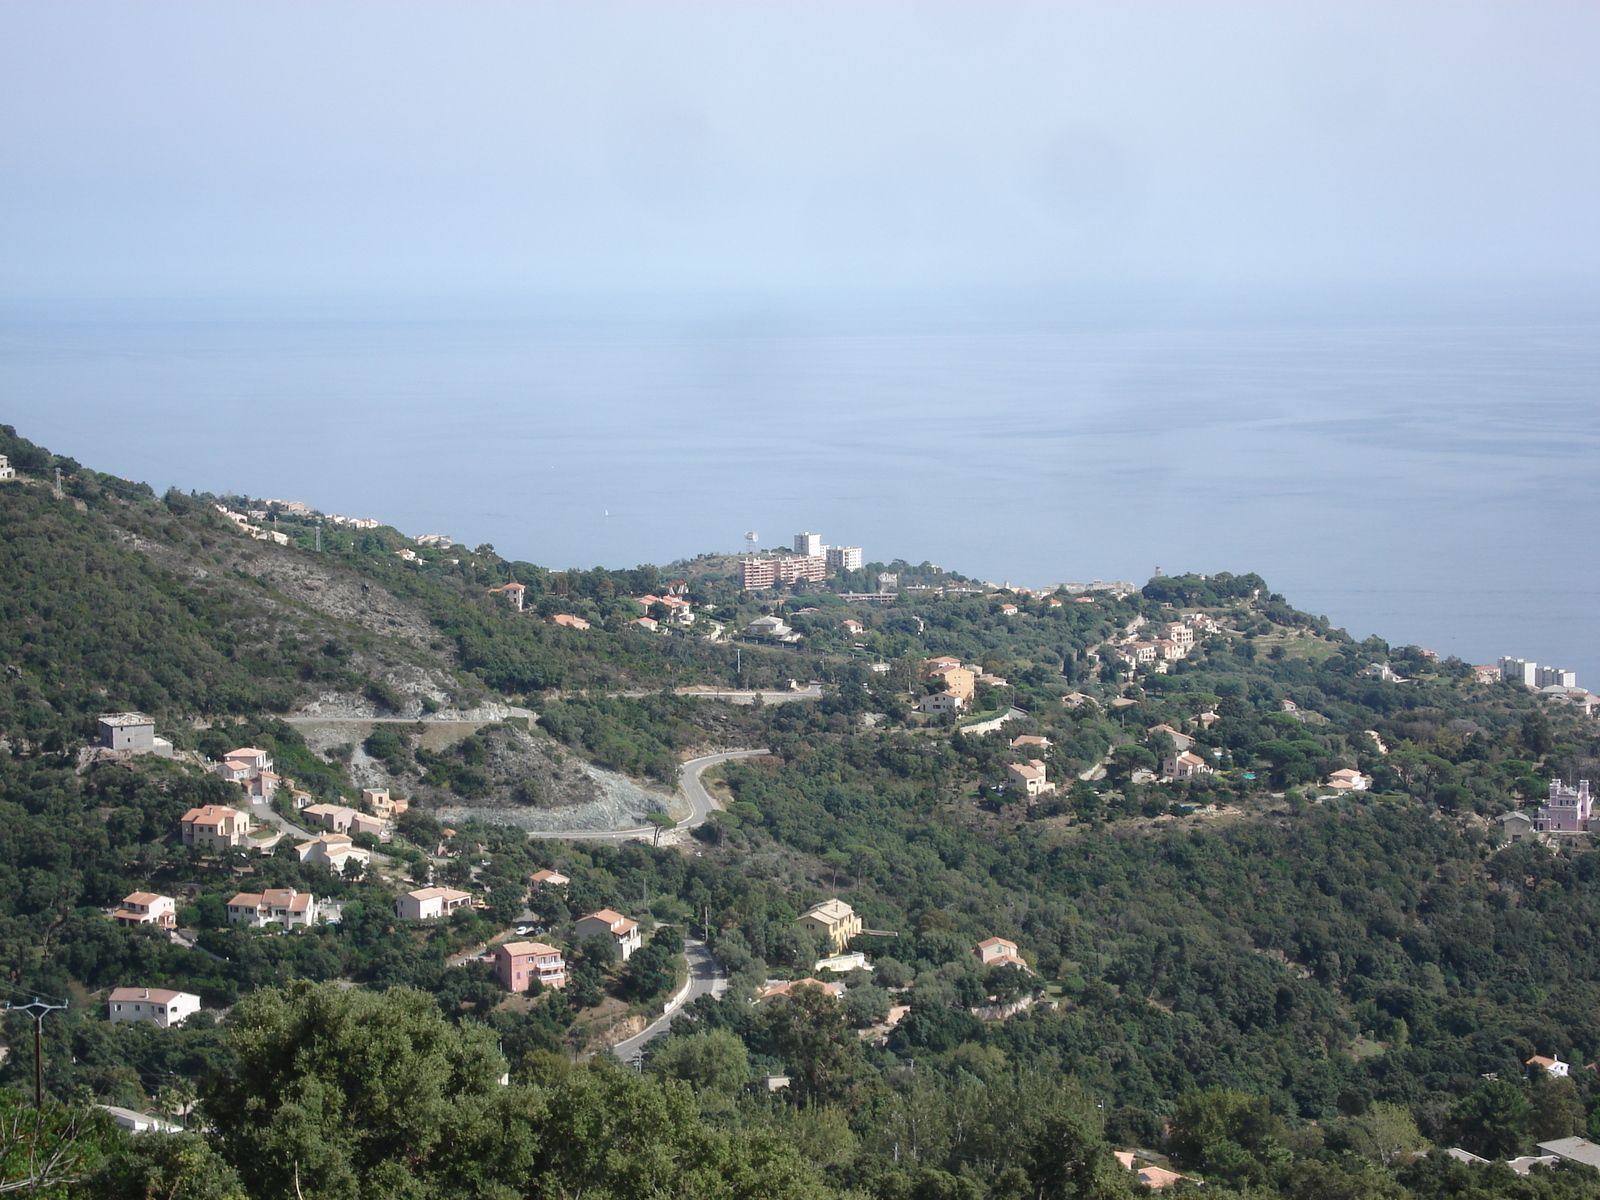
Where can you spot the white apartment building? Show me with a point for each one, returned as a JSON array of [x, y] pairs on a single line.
[[1520, 670], [845, 558], [808, 544], [1555, 677]]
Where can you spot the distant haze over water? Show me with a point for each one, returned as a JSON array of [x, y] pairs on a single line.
[[1421, 468]]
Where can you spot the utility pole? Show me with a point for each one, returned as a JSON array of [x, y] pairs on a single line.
[[38, 1010]]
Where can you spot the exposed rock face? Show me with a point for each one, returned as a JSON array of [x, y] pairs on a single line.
[[489, 770], [619, 803]]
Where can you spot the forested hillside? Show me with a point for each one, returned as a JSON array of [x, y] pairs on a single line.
[[1247, 976]]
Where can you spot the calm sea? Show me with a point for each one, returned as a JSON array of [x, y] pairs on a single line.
[[1417, 467]]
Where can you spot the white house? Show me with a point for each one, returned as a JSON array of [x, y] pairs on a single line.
[[138, 1122], [1180, 741], [1553, 1067], [284, 905], [941, 702], [165, 1008], [606, 923], [253, 760], [426, 903], [1184, 766], [770, 627], [147, 908]]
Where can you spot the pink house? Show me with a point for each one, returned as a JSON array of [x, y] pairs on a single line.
[[214, 827], [516, 963], [1567, 810]]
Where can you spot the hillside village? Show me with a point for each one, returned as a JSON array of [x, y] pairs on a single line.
[[890, 743]]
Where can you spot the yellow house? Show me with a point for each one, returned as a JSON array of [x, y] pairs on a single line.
[[834, 920], [957, 680]]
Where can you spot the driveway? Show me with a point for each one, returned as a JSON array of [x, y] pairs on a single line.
[[705, 979]]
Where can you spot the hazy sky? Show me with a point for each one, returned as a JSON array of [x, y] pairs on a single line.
[[301, 148]]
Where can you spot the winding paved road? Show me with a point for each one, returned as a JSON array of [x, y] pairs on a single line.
[[705, 979], [700, 803]]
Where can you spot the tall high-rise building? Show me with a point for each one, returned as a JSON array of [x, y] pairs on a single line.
[[808, 544], [845, 558], [1520, 670]]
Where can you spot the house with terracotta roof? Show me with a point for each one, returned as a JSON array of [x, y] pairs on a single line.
[[337, 818], [944, 660], [252, 759], [166, 1008], [853, 628], [787, 986], [1000, 952], [284, 905], [1153, 1177], [1177, 766], [624, 933], [1347, 780], [679, 611], [1553, 1067], [147, 908], [646, 624], [518, 963], [941, 702], [1029, 778], [214, 827], [424, 904], [956, 679], [1180, 632], [1180, 741], [568, 621], [383, 804], [266, 784], [332, 850], [831, 919], [513, 592], [1028, 741], [234, 772], [548, 878]]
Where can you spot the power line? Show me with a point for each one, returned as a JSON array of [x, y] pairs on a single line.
[[38, 1010]]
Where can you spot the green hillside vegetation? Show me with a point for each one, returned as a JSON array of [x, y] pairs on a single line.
[[1276, 987]]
